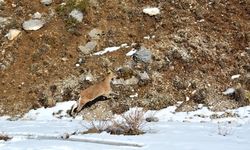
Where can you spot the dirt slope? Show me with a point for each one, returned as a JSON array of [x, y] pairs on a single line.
[[196, 46]]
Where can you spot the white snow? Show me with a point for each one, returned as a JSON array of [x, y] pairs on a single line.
[[132, 52], [152, 11], [47, 113], [108, 49], [111, 49], [175, 130]]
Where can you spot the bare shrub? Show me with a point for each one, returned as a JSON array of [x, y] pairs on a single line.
[[130, 123], [5, 137], [97, 126]]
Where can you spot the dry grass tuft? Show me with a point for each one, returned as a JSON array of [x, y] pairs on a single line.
[[130, 123], [5, 137]]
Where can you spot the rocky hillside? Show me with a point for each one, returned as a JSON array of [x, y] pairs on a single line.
[[193, 51]]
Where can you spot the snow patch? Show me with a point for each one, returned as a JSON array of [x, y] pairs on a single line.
[[50, 113], [111, 49], [106, 50], [132, 52]]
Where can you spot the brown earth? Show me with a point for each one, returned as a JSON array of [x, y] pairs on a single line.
[[198, 46]]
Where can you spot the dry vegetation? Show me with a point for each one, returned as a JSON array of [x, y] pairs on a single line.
[[130, 123], [5, 137]]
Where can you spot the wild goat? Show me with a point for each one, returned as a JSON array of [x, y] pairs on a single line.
[[102, 88]]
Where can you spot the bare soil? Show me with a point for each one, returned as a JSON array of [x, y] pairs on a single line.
[[197, 46]]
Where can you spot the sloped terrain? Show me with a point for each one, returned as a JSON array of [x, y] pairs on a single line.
[[190, 52]]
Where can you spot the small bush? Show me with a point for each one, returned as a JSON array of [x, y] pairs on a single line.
[[97, 127], [130, 123], [5, 137], [64, 10]]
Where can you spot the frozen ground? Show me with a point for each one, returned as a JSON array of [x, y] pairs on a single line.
[[174, 131]]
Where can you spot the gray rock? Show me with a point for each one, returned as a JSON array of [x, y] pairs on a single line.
[[95, 34], [37, 15], [76, 14], [94, 3], [13, 33], [4, 21], [152, 119], [1, 2], [33, 24], [131, 81], [88, 48], [143, 54], [144, 76], [247, 50], [46, 2], [151, 11]]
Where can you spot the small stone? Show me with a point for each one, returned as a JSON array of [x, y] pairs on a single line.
[[144, 79], [248, 49], [4, 21], [235, 76], [131, 81], [33, 24], [77, 65], [95, 34], [64, 59], [65, 136], [143, 54], [229, 91], [152, 119], [198, 14], [199, 96], [88, 48], [13, 5], [89, 77], [37, 15], [76, 14], [94, 3], [13, 33], [46, 2], [144, 76], [151, 11]]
